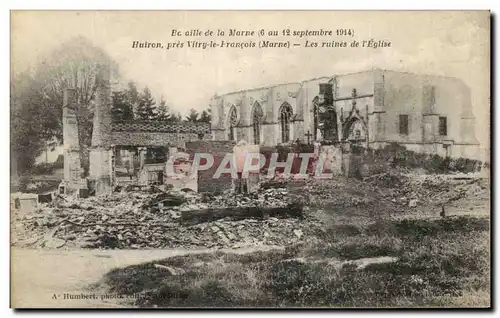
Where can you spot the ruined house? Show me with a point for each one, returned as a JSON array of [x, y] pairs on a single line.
[[122, 152]]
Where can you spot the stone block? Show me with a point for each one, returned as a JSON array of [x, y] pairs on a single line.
[[332, 159], [102, 186], [219, 149]]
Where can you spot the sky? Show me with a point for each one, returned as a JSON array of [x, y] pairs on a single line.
[[449, 43]]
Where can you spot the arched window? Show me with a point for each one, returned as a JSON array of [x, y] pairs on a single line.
[[285, 121], [257, 115], [233, 118]]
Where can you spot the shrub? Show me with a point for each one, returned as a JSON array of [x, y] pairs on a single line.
[[59, 164], [43, 168], [399, 156]]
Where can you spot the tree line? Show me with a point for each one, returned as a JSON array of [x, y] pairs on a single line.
[[130, 104]]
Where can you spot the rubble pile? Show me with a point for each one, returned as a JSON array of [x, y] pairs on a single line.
[[333, 193], [387, 180], [273, 197], [408, 189], [441, 189], [155, 220], [172, 218]]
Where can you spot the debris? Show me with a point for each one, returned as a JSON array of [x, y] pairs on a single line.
[[364, 262], [45, 198], [153, 218], [223, 237], [54, 243], [171, 270], [147, 219], [443, 213], [413, 203]]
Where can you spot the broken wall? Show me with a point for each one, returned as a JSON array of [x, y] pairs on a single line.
[[333, 159], [218, 149], [249, 183], [71, 146]]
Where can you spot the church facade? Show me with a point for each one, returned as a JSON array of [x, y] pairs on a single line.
[[424, 113]]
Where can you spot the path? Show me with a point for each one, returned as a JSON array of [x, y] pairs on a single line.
[[38, 275]]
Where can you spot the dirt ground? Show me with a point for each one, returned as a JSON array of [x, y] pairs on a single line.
[[37, 275]]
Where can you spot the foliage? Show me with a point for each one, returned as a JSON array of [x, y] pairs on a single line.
[[43, 169], [33, 121], [132, 96], [399, 156], [146, 108], [48, 168], [195, 117], [37, 98], [177, 117], [37, 101], [163, 111], [59, 164], [121, 107], [192, 116], [206, 116]]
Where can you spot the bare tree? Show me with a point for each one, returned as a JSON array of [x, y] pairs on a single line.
[[75, 64]]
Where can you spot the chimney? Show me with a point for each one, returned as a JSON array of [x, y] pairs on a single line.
[[102, 115]]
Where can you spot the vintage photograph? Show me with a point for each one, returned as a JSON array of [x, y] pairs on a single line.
[[250, 159]]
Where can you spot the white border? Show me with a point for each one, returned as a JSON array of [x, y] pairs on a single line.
[[191, 5]]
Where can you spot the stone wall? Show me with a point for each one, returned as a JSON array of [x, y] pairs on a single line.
[[333, 159], [218, 149], [160, 126], [100, 170], [250, 182], [154, 139], [102, 114], [72, 161], [157, 133]]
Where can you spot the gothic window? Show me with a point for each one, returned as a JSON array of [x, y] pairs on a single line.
[[285, 121], [257, 115], [233, 117], [443, 131], [403, 124]]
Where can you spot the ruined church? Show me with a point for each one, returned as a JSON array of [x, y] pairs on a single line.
[[424, 113]]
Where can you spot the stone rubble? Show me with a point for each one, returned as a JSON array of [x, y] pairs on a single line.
[[157, 219], [412, 189], [152, 220]]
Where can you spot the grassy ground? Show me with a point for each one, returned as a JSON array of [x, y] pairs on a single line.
[[435, 263]]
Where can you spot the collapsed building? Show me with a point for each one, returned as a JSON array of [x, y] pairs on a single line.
[[127, 152]]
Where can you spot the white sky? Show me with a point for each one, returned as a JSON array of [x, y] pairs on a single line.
[[443, 43]]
